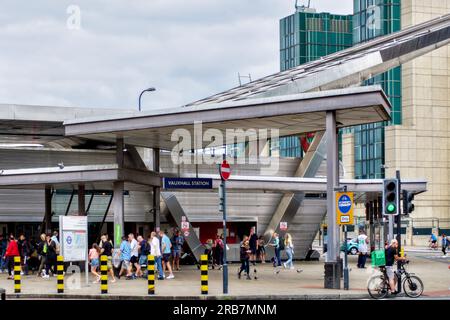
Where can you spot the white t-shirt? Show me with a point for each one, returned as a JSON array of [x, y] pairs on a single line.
[[362, 245], [134, 248], [155, 250]]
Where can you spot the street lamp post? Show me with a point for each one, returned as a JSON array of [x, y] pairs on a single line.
[[140, 96]]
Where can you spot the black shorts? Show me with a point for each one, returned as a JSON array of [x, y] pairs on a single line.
[[433, 241], [166, 257], [133, 259]]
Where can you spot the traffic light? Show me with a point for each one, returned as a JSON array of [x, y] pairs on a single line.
[[391, 197], [408, 198]]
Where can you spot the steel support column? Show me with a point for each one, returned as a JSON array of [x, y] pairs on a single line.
[[118, 200], [48, 210], [156, 192], [332, 264], [118, 207], [81, 200]]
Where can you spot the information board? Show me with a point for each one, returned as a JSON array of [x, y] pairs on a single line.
[[74, 240]]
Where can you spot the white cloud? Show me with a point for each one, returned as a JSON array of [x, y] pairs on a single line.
[[186, 49]]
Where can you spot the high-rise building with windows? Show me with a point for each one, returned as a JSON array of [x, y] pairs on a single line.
[[306, 36], [371, 19]]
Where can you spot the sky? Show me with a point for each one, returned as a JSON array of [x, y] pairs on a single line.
[[103, 53]]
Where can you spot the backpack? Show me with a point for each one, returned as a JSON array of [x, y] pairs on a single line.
[[281, 244], [145, 249]]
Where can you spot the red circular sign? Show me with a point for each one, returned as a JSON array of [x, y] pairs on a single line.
[[225, 170]]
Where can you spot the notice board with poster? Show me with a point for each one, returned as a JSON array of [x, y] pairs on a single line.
[[74, 240]]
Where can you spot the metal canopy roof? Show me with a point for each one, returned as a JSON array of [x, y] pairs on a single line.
[[347, 67], [292, 114], [95, 177], [43, 124]]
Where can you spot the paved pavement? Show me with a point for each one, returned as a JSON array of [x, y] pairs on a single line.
[[287, 284]]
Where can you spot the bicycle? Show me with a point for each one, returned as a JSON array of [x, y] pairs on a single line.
[[378, 286]]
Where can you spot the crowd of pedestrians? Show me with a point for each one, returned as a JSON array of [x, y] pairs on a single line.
[[130, 259], [40, 255]]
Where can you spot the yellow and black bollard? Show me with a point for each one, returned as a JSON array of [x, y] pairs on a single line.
[[17, 270], [151, 274], [204, 273], [103, 274], [60, 274]]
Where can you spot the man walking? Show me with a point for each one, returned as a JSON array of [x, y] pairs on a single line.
[[166, 246], [177, 244], [3, 246], [155, 251], [107, 250], [134, 260], [253, 243], [125, 257], [25, 251], [445, 245], [363, 240]]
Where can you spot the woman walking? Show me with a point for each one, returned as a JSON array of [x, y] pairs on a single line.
[[245, 258], [289, 247], [11, 251], [42, 255], [51, 257], [94, 261]]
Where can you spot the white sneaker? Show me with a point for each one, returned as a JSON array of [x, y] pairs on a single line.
[[170, 276], [284, 265], [22, 273], [46, 276]]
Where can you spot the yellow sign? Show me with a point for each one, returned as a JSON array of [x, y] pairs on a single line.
[[344, 208]]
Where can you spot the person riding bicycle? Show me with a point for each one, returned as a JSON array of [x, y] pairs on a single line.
[[392, 256]]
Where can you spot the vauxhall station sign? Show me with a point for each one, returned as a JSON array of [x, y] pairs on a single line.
[[187, 183]]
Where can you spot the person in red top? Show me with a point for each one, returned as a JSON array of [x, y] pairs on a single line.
[[11, 252]]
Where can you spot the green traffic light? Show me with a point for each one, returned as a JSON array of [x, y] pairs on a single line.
[[391, 207]]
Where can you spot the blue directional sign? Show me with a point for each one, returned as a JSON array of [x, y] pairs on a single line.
[[69, 240], [344, 208], [187, 183]]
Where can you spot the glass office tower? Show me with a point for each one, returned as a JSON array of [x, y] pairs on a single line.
[[306, 36], [371, 19]]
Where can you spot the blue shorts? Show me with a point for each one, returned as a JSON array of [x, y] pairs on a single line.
[[176, 253], [143, 260], [95, 263]]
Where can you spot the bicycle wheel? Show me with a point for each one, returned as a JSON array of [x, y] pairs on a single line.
[[413, 286], [377, 287]]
